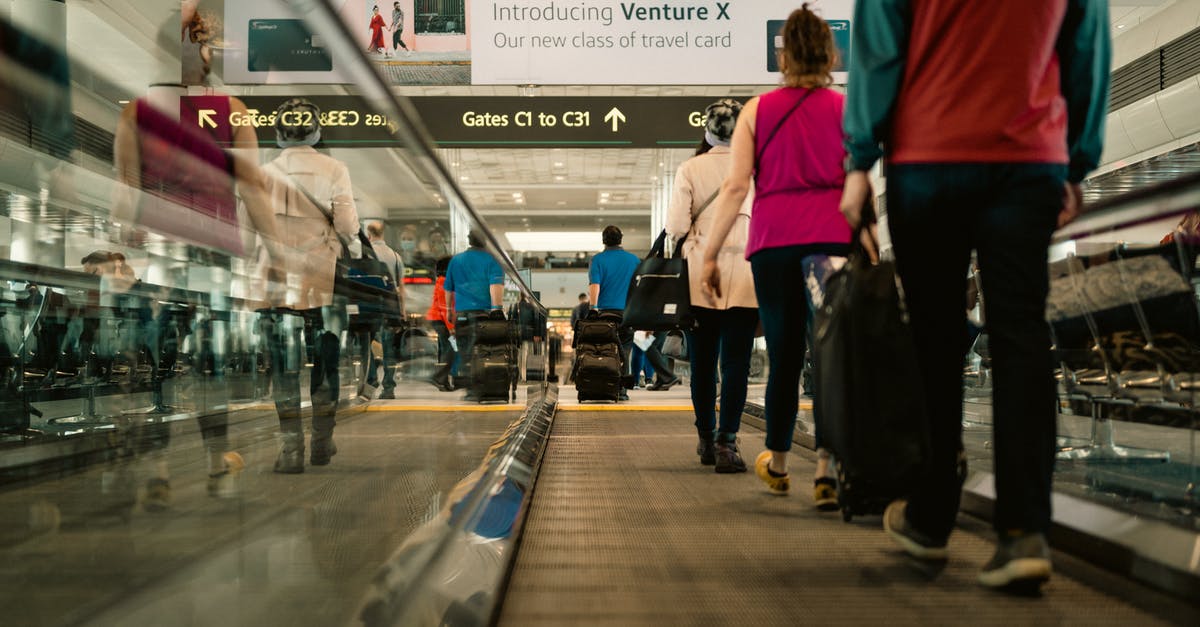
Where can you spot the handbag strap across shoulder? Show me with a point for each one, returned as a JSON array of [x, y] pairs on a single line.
[[778, 126]]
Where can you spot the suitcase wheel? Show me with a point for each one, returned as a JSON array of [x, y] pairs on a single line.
[[846, 515]]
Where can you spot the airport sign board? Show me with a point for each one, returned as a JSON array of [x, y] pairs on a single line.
[[492, 122]]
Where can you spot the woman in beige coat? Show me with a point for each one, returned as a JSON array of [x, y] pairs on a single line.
[[726, 323], [300, 179]]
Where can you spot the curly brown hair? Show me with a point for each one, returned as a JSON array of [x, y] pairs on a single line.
[[808, 54]]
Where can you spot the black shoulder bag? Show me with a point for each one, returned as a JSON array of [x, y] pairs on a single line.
[[660, 298], [365, 282]]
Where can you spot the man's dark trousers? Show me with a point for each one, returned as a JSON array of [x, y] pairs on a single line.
[[938, 213]]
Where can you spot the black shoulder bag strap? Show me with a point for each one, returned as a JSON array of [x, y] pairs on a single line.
[[695, 216], [780, 124]]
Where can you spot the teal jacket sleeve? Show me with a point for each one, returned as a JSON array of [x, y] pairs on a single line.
[[878, 43], [1085, 56]]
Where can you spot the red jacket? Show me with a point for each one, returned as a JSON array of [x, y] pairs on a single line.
[[438, 309]]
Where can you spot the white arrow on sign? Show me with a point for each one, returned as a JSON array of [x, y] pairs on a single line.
[[206, 118], [616, 117]]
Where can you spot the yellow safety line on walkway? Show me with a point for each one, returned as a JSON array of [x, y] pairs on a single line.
[[445, 408], [620, 407]]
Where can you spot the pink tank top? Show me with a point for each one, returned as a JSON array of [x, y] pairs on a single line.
[[799, 175]]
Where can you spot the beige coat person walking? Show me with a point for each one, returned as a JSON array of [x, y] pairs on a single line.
[[696, 181], [311, 243]]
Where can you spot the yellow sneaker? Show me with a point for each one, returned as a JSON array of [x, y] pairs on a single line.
[[775, 483], [825, 494]]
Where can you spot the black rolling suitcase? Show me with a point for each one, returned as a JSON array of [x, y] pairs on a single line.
[[493, 362], [869, 404], [597, 370]]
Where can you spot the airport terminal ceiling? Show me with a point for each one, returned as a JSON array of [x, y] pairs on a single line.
[[534, 189]]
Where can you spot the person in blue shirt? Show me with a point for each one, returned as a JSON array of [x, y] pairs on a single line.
[[609, 276], [474, 286]]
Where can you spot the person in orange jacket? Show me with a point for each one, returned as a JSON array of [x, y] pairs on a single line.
[[443, 323]]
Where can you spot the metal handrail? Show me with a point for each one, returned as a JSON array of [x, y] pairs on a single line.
[[1150, 204]]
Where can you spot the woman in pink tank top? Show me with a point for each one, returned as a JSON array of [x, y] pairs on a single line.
[[788, 145]]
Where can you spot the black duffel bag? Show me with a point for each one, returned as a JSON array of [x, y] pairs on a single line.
[[869, 403]]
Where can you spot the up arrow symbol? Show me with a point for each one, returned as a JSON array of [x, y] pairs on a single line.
[[206, 118], [616, 117]]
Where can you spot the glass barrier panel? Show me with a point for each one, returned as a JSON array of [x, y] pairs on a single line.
[[238, 310]]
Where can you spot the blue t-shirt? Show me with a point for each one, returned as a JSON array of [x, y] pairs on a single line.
[[613, 270], [469, 276]]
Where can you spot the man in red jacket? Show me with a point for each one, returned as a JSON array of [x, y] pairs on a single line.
[[988, 116]]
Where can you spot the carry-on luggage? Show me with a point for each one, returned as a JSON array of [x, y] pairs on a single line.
[[494, 359], [869, 404], [597, 370]]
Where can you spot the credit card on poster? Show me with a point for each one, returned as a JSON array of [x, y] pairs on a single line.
[[285, 45]]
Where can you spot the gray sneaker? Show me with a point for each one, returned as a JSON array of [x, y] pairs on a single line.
[[914, 542], [1021, 562]]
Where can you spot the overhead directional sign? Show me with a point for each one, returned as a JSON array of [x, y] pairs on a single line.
[[509, 122]]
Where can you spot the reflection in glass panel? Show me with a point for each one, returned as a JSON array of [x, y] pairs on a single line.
[[216, 303]]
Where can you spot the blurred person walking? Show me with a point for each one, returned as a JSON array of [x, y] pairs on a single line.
[[726, 323], [315, 211], [443, 324], [989, 118], [387, 333], [787, 145]]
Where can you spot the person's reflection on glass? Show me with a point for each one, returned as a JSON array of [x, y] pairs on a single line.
[[438, 245], [408, 244], [183, 184], [314, 207]]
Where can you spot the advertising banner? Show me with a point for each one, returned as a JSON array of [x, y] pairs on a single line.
[[267, 43], [615, 42], [521, 42]]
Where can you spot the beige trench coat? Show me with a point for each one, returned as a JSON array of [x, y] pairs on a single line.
[[695, 181], [311, 245]]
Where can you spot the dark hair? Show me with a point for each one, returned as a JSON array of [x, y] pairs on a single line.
[[702, 147], [474, 239], [97, 257], [582, 296], [808, 54], [440, 266], [612, 236]]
